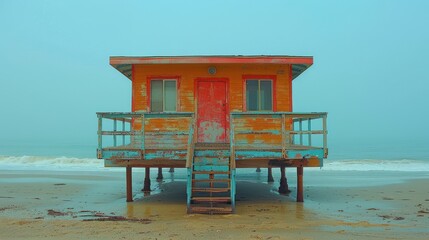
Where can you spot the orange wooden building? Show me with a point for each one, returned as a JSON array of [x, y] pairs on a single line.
[[211, 115]]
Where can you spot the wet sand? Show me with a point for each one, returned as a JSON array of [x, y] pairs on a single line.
[[91, 205]]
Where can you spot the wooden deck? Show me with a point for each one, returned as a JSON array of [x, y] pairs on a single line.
[[145, 139], [255, 140]]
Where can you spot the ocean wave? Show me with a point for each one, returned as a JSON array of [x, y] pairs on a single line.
[[93, 164], [48, 163], [407, 165]]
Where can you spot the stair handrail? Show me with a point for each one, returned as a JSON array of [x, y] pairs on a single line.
[[191, 142], [189, 160], [232, 143], [232, 164]]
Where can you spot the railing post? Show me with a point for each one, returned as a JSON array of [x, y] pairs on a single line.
[[115, 125], [309, 131], [100, 136], [300, 131], [325, 137], [142, 147], [283, 136], [291, 137], [123, 130]]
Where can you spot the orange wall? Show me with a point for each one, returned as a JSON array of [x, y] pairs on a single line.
[[187, 74]]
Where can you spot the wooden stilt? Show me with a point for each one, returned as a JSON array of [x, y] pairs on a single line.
[[146, 186], [270, 175], [129, 181], [258, 169], [171, 170], [160, 177], [283, 188], [300, 184]]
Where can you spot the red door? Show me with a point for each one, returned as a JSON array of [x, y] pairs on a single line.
[[212, 109]]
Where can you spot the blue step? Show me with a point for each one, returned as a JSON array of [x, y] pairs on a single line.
[[211, 153], [200, 161], [214, 168], [209, 184]]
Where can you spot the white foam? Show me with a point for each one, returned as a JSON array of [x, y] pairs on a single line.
[[93, 164], [50, 163], [406, 165]]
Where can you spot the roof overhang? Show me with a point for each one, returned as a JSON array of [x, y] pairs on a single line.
[[299, 63]]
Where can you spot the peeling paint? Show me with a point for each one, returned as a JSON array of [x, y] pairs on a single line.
[[212, 110], [211, 131]]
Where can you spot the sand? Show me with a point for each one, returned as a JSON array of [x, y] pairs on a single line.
[[91, 205]]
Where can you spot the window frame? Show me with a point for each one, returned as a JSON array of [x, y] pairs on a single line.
[[163, 79], [260, 78]]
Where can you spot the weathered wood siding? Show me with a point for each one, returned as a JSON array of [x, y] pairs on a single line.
[[163, 133], [258, 133], [188, 73]]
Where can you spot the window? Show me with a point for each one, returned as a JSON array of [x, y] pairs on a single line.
[[163, 95], [259, 95]]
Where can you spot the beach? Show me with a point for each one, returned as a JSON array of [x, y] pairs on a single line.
[[37, 204]]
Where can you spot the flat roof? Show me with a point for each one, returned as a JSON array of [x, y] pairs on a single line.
[[299, 63]]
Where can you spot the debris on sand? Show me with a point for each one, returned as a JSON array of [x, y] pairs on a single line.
[[6, 208], [120, 218], [54, 213], [391, 217]]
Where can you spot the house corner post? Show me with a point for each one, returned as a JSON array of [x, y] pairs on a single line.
[[283, 188], [159, 177], [300, 184], [146, 185], [129, 182], [270, 175]]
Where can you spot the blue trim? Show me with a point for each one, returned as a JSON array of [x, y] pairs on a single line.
[[233, 190], [108, 154], [189, 188], [309, 152], [212, 153], [135, 154], [249, 154]]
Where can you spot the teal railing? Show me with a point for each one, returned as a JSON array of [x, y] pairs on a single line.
[[296, 131], [130, 131]]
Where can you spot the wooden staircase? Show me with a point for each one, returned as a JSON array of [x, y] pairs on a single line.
[[210, 180]]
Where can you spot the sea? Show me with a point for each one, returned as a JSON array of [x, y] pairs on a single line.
[[342, 157]]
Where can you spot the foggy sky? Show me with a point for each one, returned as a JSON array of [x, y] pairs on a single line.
[[369, 73]]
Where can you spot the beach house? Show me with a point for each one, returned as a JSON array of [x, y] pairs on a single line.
[[212, 115]]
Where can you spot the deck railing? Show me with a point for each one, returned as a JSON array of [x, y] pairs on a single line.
[[140, 131], [278, 131], [176, 131]]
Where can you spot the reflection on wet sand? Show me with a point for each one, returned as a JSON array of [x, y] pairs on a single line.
[[59, 207]]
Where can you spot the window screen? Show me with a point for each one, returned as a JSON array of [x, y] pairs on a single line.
[[170, 96], [252, 95], [266, 95], [163, 96], [259, 95]]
